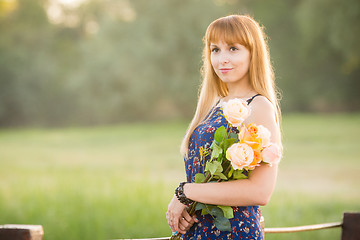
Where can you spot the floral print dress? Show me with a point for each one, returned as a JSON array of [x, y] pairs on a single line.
[[246, 221]]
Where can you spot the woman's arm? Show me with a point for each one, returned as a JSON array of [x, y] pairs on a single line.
[[258, 188]]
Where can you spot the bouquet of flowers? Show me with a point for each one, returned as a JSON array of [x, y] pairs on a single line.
[[232, 156]]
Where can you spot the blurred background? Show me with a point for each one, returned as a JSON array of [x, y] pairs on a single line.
[[96, 95], [86, 62]]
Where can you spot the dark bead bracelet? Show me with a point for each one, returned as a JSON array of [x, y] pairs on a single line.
[[179, 192]]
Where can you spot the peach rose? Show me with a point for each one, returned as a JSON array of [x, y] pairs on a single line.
[[236, 111], [256, 161], [240, 155], [256, 136], [272, 154]]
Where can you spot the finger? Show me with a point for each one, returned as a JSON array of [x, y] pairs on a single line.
[[182, 228], [185, 225], [195, 218], [168, 220], [187, 217], [171, 226], [171, 223], [176, 225]]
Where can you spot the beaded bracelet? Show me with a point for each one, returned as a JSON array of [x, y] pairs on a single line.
[[179, 192]]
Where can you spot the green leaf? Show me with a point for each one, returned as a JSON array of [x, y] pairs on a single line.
[[222, 223], [207, 209], [210, 167], [219, 168], [216, 211], [215, 151], [219, 135], [230, 172], [213, 167], [199, 178], [199, 206], [238, 174], [228, 143], [220, 157], [204, 211], [228, 211], [202, 207], [220, 175]]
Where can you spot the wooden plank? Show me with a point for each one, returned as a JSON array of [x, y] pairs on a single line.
[[351, 226], [21, 232], [303, 228]]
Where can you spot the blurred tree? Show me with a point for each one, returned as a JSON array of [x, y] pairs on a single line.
[[142, 67], [330, 52], [99, 62]]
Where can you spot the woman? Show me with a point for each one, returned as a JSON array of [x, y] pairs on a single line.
[[236, 65]]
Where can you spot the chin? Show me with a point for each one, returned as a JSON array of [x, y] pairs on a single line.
[[228, 80]]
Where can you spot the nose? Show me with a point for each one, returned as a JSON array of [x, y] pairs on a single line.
[[224, 58]]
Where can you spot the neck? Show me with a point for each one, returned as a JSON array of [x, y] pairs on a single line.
[[240, 89]]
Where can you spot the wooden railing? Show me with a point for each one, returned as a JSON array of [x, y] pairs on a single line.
[[21, 232], [350, 229]]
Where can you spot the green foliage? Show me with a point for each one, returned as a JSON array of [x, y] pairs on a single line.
[[213, 167], [220, 134], [221, 214], [227, 210], [216, 150], [219, 168], [230, 141], [238, 174], [199, 178]]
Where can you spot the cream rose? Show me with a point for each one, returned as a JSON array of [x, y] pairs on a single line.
[[272, 154], [240, 155], [236, 111]]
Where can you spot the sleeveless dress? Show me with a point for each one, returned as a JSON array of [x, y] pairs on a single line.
[[246, 221]]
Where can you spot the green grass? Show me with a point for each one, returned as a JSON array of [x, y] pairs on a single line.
[[116, 182]]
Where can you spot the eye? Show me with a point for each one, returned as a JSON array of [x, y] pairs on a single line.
[[214, 50], [233, 49]]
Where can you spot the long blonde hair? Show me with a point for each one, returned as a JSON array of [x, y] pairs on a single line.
[[247, 32]]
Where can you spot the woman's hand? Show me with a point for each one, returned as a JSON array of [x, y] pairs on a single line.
[[178, 218]]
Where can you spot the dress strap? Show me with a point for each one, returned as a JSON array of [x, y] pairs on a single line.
[[252, 98]]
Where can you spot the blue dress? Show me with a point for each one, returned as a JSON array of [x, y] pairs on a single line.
[[246, 221]]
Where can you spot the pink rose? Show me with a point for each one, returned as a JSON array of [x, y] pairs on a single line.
[[236, 111], [272, 154], [265, 135], [240, 155]]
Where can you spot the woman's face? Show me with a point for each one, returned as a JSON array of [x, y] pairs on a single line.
[[230, 62]]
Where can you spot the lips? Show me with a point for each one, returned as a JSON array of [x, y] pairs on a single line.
[[225, 70]]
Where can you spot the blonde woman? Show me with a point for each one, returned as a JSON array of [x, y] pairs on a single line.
[[236, 64]]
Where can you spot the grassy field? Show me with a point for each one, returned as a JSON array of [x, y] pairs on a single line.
[[116, 182]]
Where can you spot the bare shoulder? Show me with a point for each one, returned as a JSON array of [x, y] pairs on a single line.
[[263, 113], [261, 107]]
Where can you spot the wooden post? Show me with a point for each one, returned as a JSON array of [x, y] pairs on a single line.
[[351, 226], [21, 232]]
